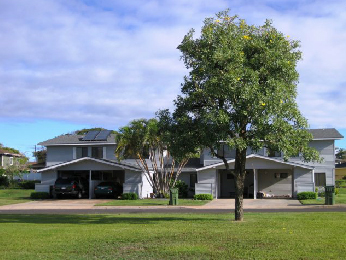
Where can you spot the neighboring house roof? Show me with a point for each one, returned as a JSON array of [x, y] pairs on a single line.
[[340, 165], [5, 152], [104, 161], [327, 133], [260, 157], [75, 139]]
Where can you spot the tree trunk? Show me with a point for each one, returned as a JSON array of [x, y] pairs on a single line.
[[239, 177]]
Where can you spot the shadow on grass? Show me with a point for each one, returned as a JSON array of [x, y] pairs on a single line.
[[99, 219]]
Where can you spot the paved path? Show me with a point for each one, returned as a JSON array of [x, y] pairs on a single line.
[[85, 206]]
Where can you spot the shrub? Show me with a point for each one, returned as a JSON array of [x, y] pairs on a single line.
[[336, 191], [203, 197], [39, 195], [27, 185], [182, 188], [130, 196], [321, 194], [4, 181], [340, 183], [307, 195]]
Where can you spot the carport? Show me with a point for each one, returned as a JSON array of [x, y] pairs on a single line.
[[94, 170]]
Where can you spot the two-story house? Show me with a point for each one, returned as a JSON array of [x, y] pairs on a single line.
[[92, 156]]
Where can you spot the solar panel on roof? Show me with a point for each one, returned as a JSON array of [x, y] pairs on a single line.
[[102, 136], [90, 136]]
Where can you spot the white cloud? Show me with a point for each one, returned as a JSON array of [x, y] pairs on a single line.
[[112, 61]]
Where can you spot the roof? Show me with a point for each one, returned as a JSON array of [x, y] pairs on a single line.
[[340, 165], [103, 161], [69, 139], [260, 157], [5, 152], [327, 133]]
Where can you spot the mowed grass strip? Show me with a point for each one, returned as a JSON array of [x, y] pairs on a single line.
[[13, 196], [173, 236], [153, 202], [339, 199]]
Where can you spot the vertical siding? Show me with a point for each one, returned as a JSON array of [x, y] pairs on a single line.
[[275, 186], [49, 177], [206, 179], [302, 180]]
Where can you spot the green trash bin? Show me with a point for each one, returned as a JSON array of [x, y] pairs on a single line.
[[173, 196], [329, 195]]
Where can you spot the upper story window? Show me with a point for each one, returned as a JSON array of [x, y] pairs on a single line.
[[81, 152], [272, 153], [11, 160], [97, 152]]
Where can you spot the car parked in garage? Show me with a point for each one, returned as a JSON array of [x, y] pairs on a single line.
[[73, 186], [108, 189]]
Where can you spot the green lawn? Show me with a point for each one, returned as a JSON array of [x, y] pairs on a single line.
[[153, 202], [339, 199], [13, 196], [173, 236]]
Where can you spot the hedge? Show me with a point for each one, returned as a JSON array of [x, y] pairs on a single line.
[[28, 185], [39, 195], [203, 197], [130, 196], [307, 195]]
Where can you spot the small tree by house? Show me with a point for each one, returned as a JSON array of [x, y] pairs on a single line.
[[146, 141]]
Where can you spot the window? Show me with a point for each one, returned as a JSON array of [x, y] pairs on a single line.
[[272, 153], [230, 176], [97, 152], [11, 160], [193, 180], [282, 175], [82, 152], [320, 179]]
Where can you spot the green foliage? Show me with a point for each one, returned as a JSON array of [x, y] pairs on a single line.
[[86, 130], [40, 156], [321, 194], [307, 195], [39, 195], [4, 181], [203, 197], [341, 154], [129, 196], [182, 187], [340, 183], [27, 185], [337, 191], [242, 87], [142, 139], [9, 149]]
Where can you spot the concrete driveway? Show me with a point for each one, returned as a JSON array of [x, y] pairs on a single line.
[[85, 206], [90, 204]]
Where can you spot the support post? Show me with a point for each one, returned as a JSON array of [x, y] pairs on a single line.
[[90, 188], [255, 183]]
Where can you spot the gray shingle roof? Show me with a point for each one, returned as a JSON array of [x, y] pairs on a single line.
[[327, 133], [74, 139]]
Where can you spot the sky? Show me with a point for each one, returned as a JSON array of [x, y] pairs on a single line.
[[73, 64]]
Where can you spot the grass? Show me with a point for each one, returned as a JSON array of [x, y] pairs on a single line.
[[13, 196], [153, 202], [173, 236], [339, 199]]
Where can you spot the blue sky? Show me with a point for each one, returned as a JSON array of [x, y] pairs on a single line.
[[71, 64]]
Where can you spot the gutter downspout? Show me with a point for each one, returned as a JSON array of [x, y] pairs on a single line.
[[89, 184]]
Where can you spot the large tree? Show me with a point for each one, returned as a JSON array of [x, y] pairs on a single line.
[[147, 141], [241, 91]]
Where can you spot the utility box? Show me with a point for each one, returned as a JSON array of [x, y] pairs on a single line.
[[329, 195], [173, 196]]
